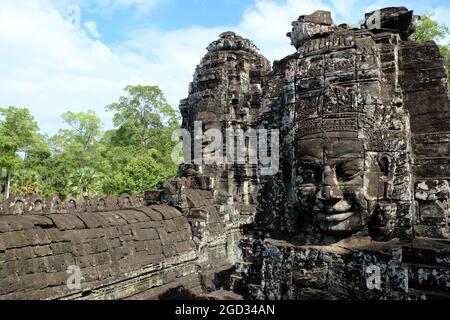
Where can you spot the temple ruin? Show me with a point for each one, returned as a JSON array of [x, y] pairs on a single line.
[[357, 210]]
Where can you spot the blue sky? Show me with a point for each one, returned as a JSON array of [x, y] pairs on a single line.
[[53, 62]]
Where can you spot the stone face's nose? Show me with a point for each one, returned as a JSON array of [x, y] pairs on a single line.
[[331, 194], [330, 191], [329, 177]]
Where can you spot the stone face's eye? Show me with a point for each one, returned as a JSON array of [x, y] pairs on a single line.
[[308, 176], [347, 171], [309, 172]]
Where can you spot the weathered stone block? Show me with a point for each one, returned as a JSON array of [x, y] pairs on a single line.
[[93, 221], [42, 251], [164, 236], [153, 247], [152, 214], [145, 234]]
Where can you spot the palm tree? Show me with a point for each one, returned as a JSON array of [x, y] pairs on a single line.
[[84, 182], [26, 181]]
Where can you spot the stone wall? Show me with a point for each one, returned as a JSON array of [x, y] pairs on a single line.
[[175, 240], [425, 88], [348, 271], [120, 252]]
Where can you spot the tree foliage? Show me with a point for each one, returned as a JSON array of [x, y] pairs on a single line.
[[83, 161], [18, 137], [142, 114], [84, 182], [18, 133], [27, 181], [141, 173], [81, 138]]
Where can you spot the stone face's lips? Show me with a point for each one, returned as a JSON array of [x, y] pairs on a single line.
[[339, 217], [341, 207], [333, 210]]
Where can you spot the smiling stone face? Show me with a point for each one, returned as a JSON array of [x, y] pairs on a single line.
[[330, 183]]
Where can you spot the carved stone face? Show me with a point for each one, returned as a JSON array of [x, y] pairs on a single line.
[[330, 184]]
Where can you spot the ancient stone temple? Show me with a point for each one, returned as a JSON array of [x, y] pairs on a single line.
[[357, 210], [361, 196]]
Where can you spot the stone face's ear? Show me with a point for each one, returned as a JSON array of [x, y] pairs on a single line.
[[385, 166]]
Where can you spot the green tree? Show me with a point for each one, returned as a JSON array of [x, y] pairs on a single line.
[[81, 139], [142, 115], [84, 182], [18, 137], [81, 160], [429, 29], [141, 173], [55, 172], [26, 181], [144, 124], [69, 152]]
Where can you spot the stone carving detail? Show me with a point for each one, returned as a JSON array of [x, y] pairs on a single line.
[[351, 145], [310, 26], [35, 205], [232, 42], [225, 95], [395, 19]]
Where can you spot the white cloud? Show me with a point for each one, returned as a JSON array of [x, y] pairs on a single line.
[[268, 22], [347, 9], [107, 6], [51, 67], [91, 27], [142, 6]]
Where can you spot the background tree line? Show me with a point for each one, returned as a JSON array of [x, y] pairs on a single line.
[[83, 160]]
